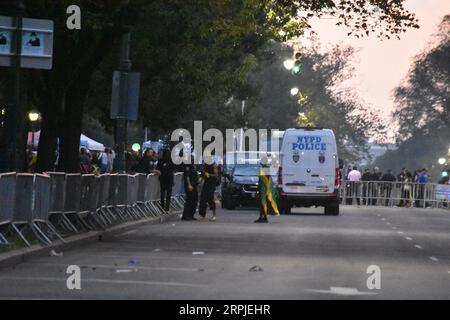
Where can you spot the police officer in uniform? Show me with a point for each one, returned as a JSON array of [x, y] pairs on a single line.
[[210, 176], [166, 167], [190, 186]]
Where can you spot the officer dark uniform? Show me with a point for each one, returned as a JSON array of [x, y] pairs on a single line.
[[166, 167], [210, 176], [190, 186]]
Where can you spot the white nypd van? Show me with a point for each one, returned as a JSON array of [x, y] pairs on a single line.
[[309, 172]]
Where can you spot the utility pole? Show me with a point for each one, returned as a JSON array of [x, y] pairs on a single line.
[[9, 160], [122, 120]]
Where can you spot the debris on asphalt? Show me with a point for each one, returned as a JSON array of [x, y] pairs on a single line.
[[133, 261], [256, 269], [195, 253], [124, 270], [53, 253]]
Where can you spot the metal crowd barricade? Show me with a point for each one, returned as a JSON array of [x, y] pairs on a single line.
[[88, 202], [23, 205], [57, 202], [103, 200], [154, 194], [41, 225], [384, 193], [73, 201], [177, 192], [122, 205], [132, 193], [141, 196], [76, 202], [7, 196]]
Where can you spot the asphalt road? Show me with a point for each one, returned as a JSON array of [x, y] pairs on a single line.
[[302, 256]]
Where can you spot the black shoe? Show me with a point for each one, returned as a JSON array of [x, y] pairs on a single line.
[[262, 220]]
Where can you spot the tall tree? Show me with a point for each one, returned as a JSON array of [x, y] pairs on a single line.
[[424, 96]]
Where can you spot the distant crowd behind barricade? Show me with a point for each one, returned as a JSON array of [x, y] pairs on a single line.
[[373, 186], [405, 175]]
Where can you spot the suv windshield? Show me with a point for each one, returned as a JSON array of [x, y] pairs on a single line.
[[246, 170]]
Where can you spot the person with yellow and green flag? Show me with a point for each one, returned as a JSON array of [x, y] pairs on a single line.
[[267, 193]]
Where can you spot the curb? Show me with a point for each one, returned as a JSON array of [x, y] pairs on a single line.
[[15, 257]]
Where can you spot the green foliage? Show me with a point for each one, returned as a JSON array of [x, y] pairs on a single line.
[[423, 108], [317, 103], [424, 97]]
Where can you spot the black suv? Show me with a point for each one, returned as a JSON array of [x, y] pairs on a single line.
[[240, 186]]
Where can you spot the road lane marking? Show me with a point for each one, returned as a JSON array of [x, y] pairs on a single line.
[[408, 238], [343, 291], [103, 266], [400, 232], [106, 281], [388, 223], [418, 247], [383, 219], [434, 258]]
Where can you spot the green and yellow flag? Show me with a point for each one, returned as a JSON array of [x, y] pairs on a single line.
[[267, 192]]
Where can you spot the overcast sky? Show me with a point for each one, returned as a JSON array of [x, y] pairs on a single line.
[[381, 65]]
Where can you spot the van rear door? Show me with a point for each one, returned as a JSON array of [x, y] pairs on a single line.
[[308, 162]]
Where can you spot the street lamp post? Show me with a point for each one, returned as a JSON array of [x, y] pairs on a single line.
[[33, 116]]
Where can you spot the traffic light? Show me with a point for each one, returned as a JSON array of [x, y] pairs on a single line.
[[444, 173], [297, 69]]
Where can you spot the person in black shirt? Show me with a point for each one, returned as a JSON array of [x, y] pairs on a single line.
[[147, 164], [166, 168], [376, 187], [190, 178], [210, 175], [387, 187], [366, 177]]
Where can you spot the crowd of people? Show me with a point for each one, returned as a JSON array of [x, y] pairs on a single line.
[[160, 164], [372, 186]]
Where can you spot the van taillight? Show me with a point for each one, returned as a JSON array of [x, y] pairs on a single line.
[[280, 176], [337, 179]]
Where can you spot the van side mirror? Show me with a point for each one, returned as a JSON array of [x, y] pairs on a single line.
[[341, 164]]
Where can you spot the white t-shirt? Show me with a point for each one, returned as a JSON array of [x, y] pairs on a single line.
[[354, 175], [104, 158]]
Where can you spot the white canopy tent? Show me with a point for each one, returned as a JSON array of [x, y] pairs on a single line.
[[88, 143], [85, 142]]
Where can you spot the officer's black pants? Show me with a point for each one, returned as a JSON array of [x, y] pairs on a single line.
[[207, 198], [191, 204], [166, 193]]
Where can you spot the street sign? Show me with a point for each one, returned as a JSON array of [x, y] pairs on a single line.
[[125, 95], [37, 43]]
